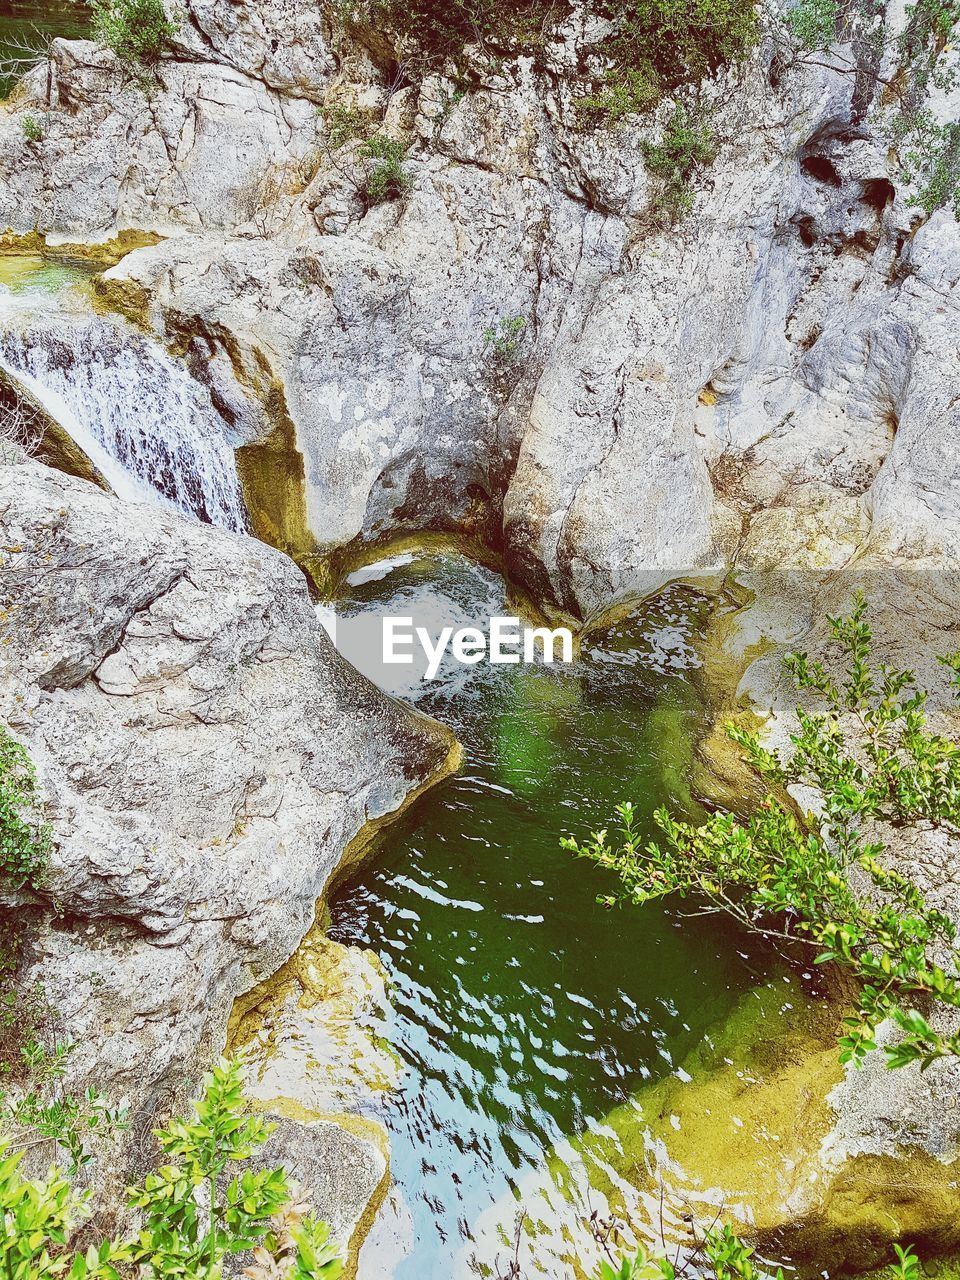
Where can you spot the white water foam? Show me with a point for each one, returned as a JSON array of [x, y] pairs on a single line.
[[148, 426]]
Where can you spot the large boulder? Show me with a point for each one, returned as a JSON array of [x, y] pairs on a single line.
[[205, 759], [772, 380]]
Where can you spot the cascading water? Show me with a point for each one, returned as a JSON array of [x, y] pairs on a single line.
[[147, 425]]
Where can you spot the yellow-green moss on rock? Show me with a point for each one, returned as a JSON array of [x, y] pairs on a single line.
[[273, 482], [106, 253], [743, 1128], [127, 298], [365, 1131]]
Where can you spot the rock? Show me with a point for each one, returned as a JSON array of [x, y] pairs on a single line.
[[750, 1126], [873, 1160], [314, 1033], [283, 44], [205, 757], [208, 146], [770, 387], [772, 378], [25, 422], [340, 1166]]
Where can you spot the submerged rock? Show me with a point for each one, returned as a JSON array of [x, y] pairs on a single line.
[[753, 1127], [340, 1162], [205, 757], [310, 1033]]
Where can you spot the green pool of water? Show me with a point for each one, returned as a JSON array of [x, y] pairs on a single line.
[[27, 28], [522, 1011], [26, 273]]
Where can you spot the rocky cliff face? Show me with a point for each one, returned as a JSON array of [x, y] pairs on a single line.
[[772, 384], [205, 757], [772, 379]]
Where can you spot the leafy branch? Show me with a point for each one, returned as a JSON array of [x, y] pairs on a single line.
[[192, 1219], [876, 769]]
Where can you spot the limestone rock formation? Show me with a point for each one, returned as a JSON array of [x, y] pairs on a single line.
[[773, 383], [205, 758], [773, 379]]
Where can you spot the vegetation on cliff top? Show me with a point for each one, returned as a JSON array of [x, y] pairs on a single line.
[[439, 29], [924, 49], [660, 46], [653, 48], [138, 31]]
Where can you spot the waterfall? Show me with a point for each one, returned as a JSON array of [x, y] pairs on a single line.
[[145, 423]]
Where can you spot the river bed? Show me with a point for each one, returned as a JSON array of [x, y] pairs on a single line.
[[519, 1010], [480, 1003]]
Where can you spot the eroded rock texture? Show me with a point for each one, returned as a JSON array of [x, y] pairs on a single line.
[[773, 382], [205, 758], [773, 379]]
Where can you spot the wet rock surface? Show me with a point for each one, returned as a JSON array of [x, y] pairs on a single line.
[[773, 383]]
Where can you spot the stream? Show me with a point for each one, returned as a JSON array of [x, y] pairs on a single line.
[[521, 1011], [503, 1014]]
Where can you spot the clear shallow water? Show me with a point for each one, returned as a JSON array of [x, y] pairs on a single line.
[[29, 273], [521, 1011]]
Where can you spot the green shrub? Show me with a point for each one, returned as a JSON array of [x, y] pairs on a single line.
[[385, 179], [930, 161], [660, 45], [656, 45], [927, 35], [502, 340], [35, 1107], [68, 1120], [196, 1210], [439, 29], [24, 836], [877, 770], [40, 1109], [22, 1010], [938, 170], [683, 149], [344, 124], [628, 91], [723, 1256], [138, 31], [32, 128], [929, 150], [814, 23]]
